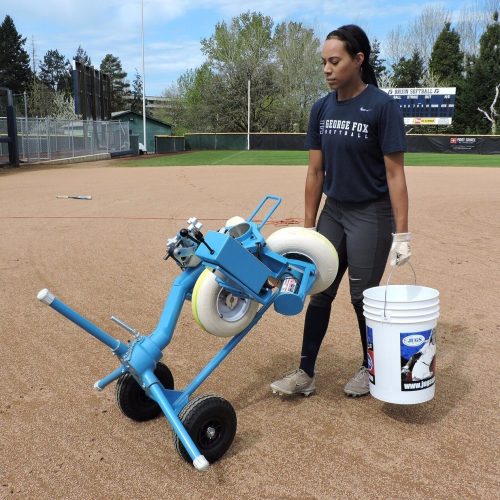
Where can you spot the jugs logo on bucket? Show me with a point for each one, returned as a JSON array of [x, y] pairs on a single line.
[[418, 351], [371, 355], [413, 340]]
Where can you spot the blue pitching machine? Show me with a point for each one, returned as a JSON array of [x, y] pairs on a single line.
[[231, 276]]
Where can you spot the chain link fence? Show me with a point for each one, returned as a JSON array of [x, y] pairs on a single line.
[[45, 139]]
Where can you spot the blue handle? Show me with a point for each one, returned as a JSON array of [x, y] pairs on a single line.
[[277, 199]]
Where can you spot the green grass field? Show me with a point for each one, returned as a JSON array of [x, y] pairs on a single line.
[[300, 158]]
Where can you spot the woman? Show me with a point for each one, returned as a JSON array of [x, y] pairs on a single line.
[[356, 143]]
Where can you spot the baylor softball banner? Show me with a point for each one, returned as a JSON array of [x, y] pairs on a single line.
[[425, 105]]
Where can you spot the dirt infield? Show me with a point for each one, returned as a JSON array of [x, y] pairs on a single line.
[[62, 439]]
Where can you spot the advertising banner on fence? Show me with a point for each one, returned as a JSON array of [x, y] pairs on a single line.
[[479, 144], [462, 144]]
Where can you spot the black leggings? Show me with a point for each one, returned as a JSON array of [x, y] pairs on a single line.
[[361, 234]]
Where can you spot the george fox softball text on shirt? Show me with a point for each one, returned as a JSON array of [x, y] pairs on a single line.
[[354, 135]]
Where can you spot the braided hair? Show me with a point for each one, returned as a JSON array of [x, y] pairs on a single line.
[[355, 41]]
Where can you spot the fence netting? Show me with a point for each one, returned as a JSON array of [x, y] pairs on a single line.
[[44, 139]]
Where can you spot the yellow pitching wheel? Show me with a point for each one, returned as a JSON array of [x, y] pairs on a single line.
[[218, 311]]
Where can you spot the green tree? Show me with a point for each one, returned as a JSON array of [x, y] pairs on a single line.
[[446, 62], [376, 61], [482, 77], [173, 110], [82, 56], [236, 53], [464, 115], [246, 44], [486, 73], [40, 99], [193, 102], [55, 71], [299, 78], [119, 85], [15, 72], [136, 104], [282, 64], [408, 72]]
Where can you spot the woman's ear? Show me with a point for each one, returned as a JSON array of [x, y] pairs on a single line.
[[359, 59]]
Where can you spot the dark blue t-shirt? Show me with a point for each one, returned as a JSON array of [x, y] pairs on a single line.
[[354, 135]]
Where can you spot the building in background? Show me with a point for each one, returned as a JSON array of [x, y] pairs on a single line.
[[153, 127]]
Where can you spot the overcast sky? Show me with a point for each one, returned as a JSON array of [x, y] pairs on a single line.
[[173, 29]]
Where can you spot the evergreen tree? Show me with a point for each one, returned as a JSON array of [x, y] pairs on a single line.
[[376, 61], [119, 86], [82, 56], [55, 71], [482, 76], [137, 93], [15, 72], [446, 61], [408, 72], [464, 101]]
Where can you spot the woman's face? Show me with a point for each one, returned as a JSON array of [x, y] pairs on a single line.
[[339, 67]]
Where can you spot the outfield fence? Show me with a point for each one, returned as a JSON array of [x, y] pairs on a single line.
[[417, 143], [46, 139], [229, 141]]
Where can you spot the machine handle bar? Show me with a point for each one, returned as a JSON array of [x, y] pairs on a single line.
[[277, 203]]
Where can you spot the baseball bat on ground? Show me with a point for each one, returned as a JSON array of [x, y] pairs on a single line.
[[76, 197]]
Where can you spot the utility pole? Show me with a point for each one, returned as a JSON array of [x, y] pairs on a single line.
[[248, 120], [143, 80]]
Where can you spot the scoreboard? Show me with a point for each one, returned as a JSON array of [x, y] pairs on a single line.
[[92, 92], [425, 106]]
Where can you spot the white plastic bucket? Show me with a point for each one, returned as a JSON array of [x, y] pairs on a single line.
[[401, 335], [400, 313], [402, 297]]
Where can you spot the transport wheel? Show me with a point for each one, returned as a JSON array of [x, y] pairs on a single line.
[[308, 245], [133, 401], [211, 422], [218, 311]]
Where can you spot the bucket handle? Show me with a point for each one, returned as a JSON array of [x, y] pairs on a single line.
[[389, 279]]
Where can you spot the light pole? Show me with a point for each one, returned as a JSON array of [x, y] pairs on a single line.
[[143, 81], [248, 118]]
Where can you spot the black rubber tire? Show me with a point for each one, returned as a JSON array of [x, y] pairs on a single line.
[[203, 415], [133, 401]]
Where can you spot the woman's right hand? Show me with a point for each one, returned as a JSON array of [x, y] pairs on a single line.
[[314, 187]]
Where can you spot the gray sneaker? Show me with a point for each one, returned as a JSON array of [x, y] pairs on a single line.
[[295, 382], [359, 385]]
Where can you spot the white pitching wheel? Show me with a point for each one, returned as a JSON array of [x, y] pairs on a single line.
[[306, 244]]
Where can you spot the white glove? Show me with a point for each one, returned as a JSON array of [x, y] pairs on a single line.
[[400, 250]]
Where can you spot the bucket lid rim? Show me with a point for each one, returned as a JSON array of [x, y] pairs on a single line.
[[381, 289]]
